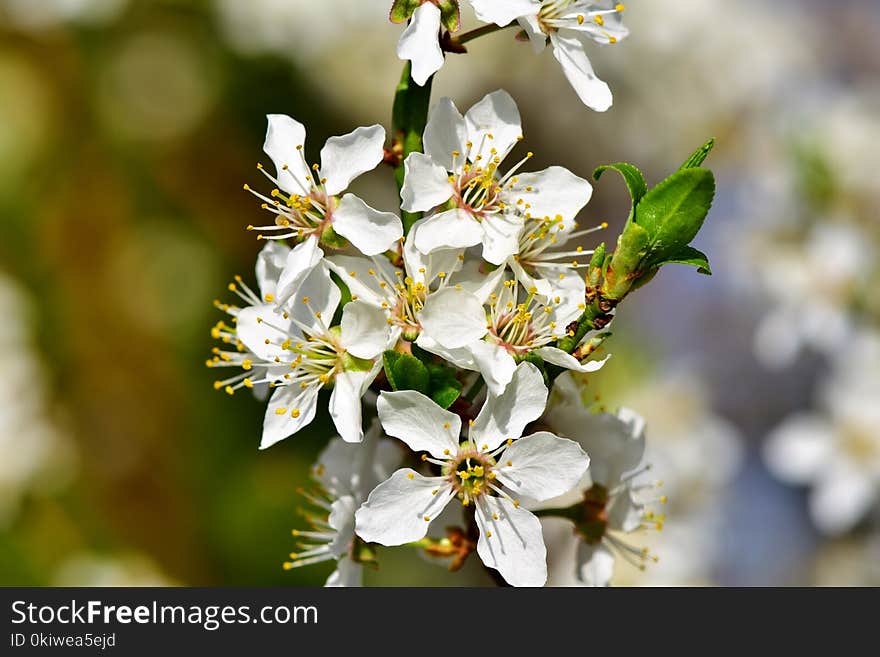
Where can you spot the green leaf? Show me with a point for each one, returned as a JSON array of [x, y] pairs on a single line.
[[699, 156], [673, 212], [405, 372], [450, 15], [444, 386], [402, 10], [634, 179], [690, 256], [446, 394]]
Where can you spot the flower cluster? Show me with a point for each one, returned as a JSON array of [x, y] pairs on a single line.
[[449, 322]]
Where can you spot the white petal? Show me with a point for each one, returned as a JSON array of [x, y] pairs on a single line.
[[625, 511], [278, 426], [496, 115], [615, 443], [562, 545], [569, 51], [316, 301], [301, 260], [445, 133], [372, 232], [256, 324], [475, 280], [419, 422], [355, 273], [462, 357], [345, 158], [596, 564], [420, 43], [454, 318], [345, 404], [506, 415], [540, 285], [513, 544], [841, 498], [569, 362], [543, 466], [495, 364], [342, 520], [501, 237], [532, 27], [283, 136], [395, 511], [799, 449], [364, 330], [554, 191], [503, 12], [270, 264], [425, 184], [440, 261], [347, 574], [453, 229]]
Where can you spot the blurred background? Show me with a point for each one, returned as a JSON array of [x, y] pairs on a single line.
[[127, 128]]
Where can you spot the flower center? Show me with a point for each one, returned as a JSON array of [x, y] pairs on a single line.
[[470, 473]]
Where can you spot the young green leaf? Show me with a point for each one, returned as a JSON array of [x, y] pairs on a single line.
[[688, 255], [673, 212], [699, 156], [634, 179], [404, 372]]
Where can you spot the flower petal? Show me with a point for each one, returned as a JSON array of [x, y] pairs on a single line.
[[355, 273], [445, 133], [568, 48], [438, 261], [372, 232], [503, 12], [347, 574], [301, 260], [454, 318], [799, 449], [285, 138], [511, 541], [841, 497], [395, 511], [364, 330], [554, 191], [615, 443], [495, 364], [345, 404], [345, 158], [569, 362], [316, 301], [453, 229], [506, 415], [270, 264], [562, 545], [419, 422], [543, 466], [257, 324], [279, 425], [494, 122], [501, 237], [595, 564], [420, 43], [425, 184]]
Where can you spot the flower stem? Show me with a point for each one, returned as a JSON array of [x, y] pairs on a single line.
[[456, 43], [408, 121]]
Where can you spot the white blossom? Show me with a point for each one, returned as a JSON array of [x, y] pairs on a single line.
[[487, 470], [309, 200], [457, 180], [420, 42], [570, 26], [837, 453], [345, 475]]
